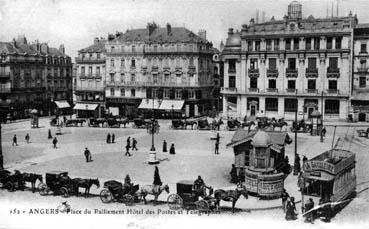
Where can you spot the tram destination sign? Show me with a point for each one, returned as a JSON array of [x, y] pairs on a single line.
[[319, 165]]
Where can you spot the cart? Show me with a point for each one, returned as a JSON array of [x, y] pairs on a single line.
[[10, 181], [115, 191], [57, 182]]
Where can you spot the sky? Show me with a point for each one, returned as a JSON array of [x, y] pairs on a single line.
[[76, 23]]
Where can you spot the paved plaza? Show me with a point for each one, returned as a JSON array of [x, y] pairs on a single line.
[[194, 156]]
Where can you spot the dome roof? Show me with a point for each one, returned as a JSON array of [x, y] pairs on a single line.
[[261, 139], [234, 40]]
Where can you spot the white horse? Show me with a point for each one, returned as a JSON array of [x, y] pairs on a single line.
[[154, 190]]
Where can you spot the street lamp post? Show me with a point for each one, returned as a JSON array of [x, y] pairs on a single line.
[[172, 111], [1, 152], [296, 164], [152, 129]]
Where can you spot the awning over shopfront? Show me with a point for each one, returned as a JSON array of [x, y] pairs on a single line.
[[62, 104], [114, 111], [176, 105], [85, 106], [149, 104]]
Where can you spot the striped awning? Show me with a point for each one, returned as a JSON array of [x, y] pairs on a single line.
[[172, 105], [85, 106], [62, 104], [149, 104]]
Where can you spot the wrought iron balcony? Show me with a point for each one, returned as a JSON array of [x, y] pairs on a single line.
[[272, 73], [291, 90], [228, 90], [362, 70], [231, 70], [253, 90], [333, 72], [90, 60], [291, 72], [253, 72], [312, 91], [333, 91], [311, 72], [272, 90]]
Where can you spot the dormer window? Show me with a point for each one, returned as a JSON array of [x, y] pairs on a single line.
[[112, 49]]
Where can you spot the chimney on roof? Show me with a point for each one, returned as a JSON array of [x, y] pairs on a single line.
[[151, 27], [169, 29], [96, 40], [221, 46], [62, 48], [230, 31], [252, 21], [37, 45], [44, 48], [202, 34], [111, 37], [21, 40]]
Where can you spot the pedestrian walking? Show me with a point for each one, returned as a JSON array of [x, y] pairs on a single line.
[[216, 151], [87, 155], [113, 138], [291, 213], [304, 159], [27, 138], [127, 150], [157, 181], [15, 140], [65, 119], [165, 146], [309, 217], [129, 140], [134, 144], [49, 136], [284, 198], [172, 149], [324, 131], [233, 173], [55, 141], [108, 137]]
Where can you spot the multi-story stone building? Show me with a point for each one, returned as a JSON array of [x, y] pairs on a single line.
[[33, 75], [360, 85], [90, 80], [273, 68], [171, 65]]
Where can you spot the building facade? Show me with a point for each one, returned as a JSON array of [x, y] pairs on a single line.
[[33, 76], [280, 66], [164, 64], [90, 80], [360, 85]]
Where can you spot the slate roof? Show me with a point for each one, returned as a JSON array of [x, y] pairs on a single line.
[[29, 49], [97, 47], [160, 35], [241, 136]]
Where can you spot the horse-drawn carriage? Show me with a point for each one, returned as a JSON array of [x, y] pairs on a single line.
[[263, 122], [122, 121], [188, 197], [203, 124], [363, 133], [75, 122], [233, 124], [53, 122], [97, 122], [140, 123], [301, 126], [10, 181], [116, 191], [58, 182], [178, 124]]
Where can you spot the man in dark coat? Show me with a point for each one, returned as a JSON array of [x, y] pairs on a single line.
[[87, 155], [55, 141], [15, 140], [27, 138], [113, 138], [234, 178], [108, 138], [134, 144], [291, 209], [165, 146], [129, 140], [49, 136], [157, 180], [172, 150], [284, 198], [309, 217], [127, 150]]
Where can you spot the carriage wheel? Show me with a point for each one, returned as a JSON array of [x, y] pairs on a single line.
[[42, 189], [202, 206], [128, 200], [64, 192], [10, 186], [106, 196], [174, 201]]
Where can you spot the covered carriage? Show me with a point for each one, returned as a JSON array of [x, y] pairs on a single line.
[[57, 182], [11, 181], [140, 123], [233, 124], [178, 124], [203, 124], [116, 191]]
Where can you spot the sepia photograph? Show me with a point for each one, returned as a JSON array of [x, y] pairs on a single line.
[[151, 114]]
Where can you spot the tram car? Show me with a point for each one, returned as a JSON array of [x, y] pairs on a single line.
[[329, 179], [115, 191]]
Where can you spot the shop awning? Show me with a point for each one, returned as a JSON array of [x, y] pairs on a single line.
[[85, 106], [318, 175], [171, 105], [114, 111], [62, 104], [149, 104]]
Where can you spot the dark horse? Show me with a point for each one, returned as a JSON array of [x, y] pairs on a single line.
[[215, 125], [230, 195], [86, 184], [32, 177]]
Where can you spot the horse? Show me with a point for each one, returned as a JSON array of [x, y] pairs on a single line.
[[86, 184], [32, 177], [190, 123], [153, 190], [215, 125], [230, 195]]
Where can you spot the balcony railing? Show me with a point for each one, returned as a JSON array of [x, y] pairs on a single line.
[[312, 91], [332, 91], [90, 60], [291, 90], [228, 90], [231, 70], [362, 70], [272, 73], [311, 72], [96, 88], [272, 90], [333, 72], [291, 72], [158, 84], [253, 90], [253, 72]]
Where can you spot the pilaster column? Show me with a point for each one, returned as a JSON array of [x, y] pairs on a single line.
[[282, 45], [323, 43], [333, 43]]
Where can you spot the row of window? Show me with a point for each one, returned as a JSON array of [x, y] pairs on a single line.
[[165, 61], [290, 105], [90, 70], [311, 43], [291, 63], [156, 48], [90, 56], [291, 84], [154, 93], [155, 77], [56, 61]]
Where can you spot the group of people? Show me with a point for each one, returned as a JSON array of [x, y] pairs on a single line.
[[128, 146], [172, 149], [110, 138], [289, 206], [15, 139]]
